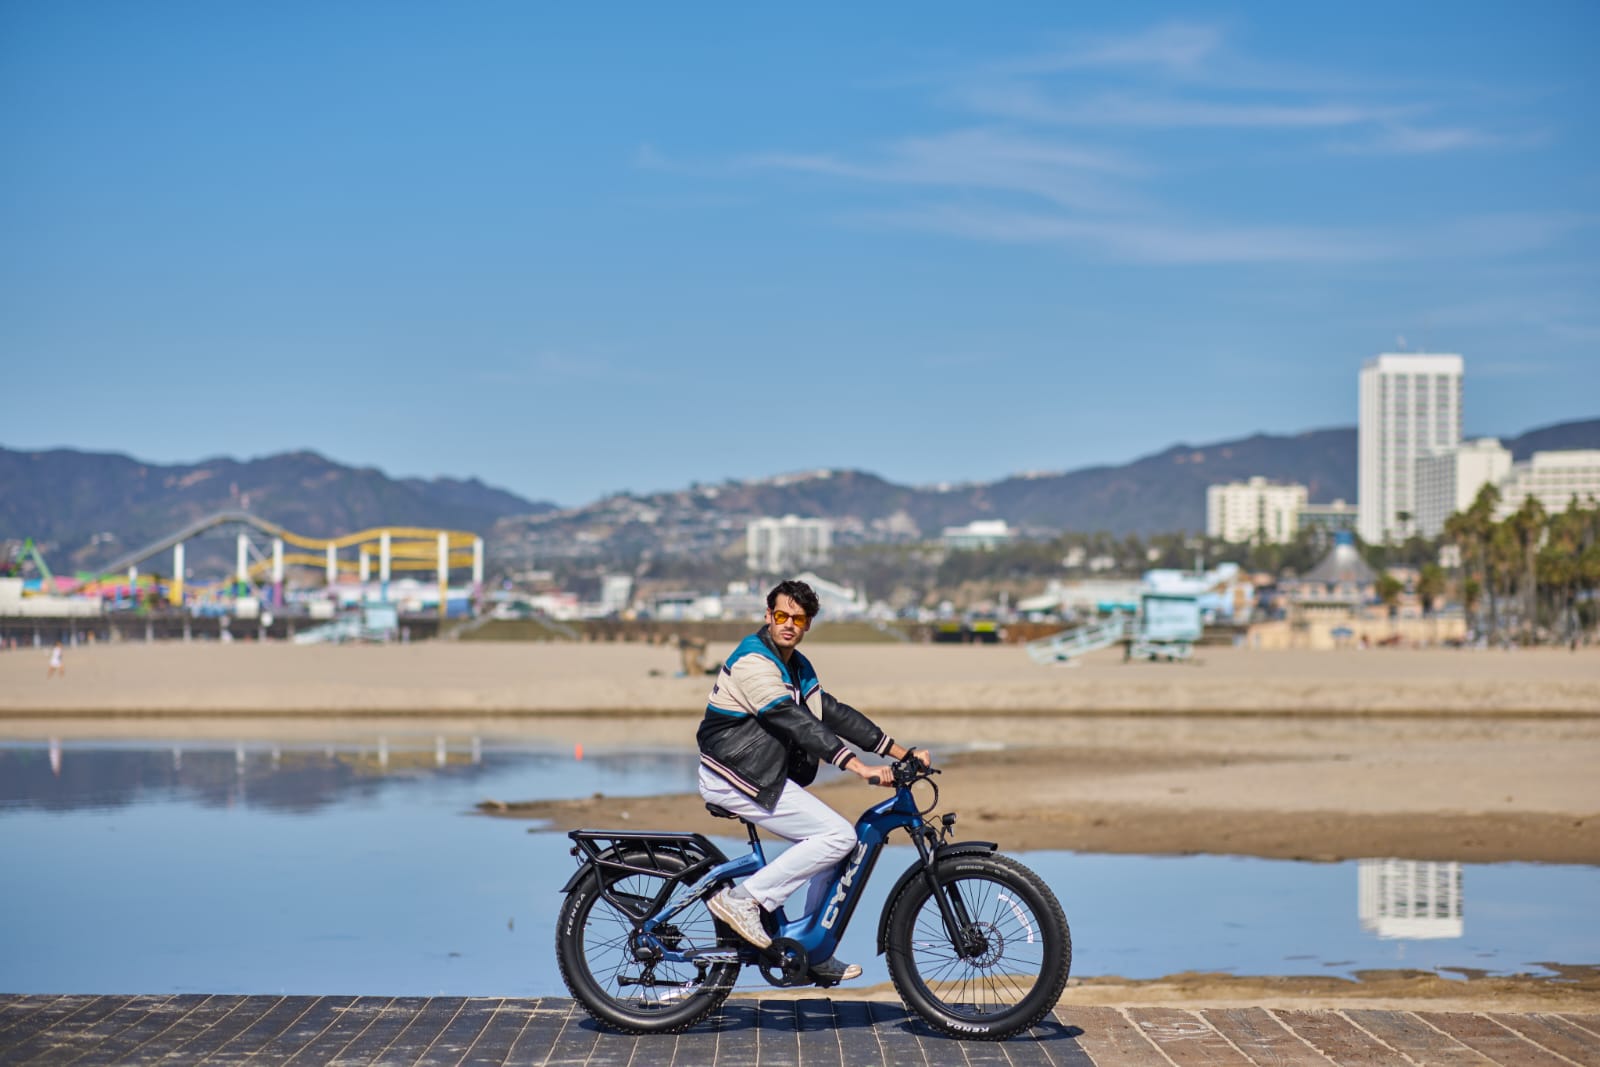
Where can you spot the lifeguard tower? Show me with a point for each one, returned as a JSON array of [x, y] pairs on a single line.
[[1165, 627]]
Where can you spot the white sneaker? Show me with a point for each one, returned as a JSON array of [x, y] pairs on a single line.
[[831, 972], [743, 914]]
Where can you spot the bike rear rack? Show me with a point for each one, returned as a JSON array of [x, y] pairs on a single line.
[[603, 849]]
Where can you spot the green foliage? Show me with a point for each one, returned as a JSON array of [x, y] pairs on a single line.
[[1531, 573], [1389, 589], [1430, 586]]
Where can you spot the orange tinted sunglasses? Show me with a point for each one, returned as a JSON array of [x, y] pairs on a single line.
[[801, 621]]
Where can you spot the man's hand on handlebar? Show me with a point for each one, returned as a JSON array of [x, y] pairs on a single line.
[[877, 774]]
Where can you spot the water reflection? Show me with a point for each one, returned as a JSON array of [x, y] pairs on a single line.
[[304, 778], [1411, 899], [356, 868]]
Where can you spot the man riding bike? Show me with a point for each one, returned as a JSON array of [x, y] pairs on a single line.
[[768, 724]]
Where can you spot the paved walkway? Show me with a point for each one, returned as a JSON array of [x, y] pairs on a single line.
[[750, 1033]]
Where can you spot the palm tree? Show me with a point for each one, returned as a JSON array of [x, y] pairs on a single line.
[[1472, 530], [1430, 583], [1558, 565], [1526, 527], [1502, 555], [1389, 589]]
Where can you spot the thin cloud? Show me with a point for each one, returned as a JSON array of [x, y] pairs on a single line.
[[1177, 52], [1028, 104], [1401, 140], [1149, 242], [1562, 315], [1179, 77], [1176, 242], [1061, 173], [1173, 48]]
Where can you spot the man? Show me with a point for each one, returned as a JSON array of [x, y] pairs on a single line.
[[767, 726]]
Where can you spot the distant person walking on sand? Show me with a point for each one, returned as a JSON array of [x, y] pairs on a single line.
[[56, 666]]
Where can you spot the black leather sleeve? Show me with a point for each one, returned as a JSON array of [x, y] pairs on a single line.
[[793, 723], [853, 726]]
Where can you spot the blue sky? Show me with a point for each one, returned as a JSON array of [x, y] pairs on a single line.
[[577, 250]]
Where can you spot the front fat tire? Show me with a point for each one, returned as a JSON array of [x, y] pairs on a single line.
[[914, 914], [610, 1011]]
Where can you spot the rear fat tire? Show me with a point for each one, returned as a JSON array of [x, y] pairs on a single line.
[[585, 908], [914, 917]]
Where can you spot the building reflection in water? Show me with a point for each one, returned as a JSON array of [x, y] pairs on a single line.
[[1410, 899], [307, 777]]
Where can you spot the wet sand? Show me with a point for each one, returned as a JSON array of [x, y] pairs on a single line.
[[1434, 754]]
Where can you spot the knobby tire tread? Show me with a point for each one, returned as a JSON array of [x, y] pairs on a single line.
[[600, 1006], [900, 965]]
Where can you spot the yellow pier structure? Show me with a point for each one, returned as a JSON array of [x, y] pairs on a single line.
[[393, 548]]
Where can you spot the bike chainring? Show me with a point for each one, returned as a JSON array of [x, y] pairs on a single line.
[[784, 963]]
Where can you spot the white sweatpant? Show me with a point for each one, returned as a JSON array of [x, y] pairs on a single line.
[[822, 837]]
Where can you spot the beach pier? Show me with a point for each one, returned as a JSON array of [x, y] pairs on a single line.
[[806, 1032]]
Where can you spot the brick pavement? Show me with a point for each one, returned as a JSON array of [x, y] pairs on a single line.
[[748, 1032]]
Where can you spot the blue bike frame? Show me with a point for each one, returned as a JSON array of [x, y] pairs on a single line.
[[818, 934]]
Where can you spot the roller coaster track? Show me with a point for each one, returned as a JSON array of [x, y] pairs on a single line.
[[411, 547]]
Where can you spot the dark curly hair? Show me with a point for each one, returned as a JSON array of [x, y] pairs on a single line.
[[797, 591]]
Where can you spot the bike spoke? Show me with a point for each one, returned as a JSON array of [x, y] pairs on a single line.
[[995, 979]]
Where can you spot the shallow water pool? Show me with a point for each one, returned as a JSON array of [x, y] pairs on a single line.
[[363, 868]]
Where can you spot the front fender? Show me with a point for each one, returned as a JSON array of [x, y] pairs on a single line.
[[954, 848]]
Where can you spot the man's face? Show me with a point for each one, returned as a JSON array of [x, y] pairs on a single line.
[[788, 633]]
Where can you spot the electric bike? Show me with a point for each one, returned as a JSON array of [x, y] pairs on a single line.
[[977, 943]]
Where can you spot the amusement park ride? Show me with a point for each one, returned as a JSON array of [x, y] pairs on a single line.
[[259, 573]]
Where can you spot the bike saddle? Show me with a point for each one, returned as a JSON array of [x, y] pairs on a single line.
[[719, 811]]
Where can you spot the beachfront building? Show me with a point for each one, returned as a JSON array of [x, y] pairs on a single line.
[[980, 534], [1410, 408], [783, 546], [1328, 520], [1448, 481], [1554, 479], [1254, 511], [1335, 605]]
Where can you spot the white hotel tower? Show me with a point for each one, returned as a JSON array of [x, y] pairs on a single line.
[[1410, 407]]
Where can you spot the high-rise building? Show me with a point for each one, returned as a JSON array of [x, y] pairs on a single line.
[[1448, 481], [1410, 408], [1256, 510], [783, 546]]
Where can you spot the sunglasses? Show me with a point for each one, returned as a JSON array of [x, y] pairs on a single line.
[[801, 621]]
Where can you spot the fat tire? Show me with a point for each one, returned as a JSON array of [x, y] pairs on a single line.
[[607, 1010], [1053, 972]]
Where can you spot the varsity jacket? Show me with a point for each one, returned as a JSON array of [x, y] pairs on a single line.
[[768, 721]]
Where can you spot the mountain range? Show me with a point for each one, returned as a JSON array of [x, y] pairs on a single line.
[[93, 507]]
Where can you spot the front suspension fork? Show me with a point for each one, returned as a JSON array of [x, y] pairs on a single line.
[[952, 909]]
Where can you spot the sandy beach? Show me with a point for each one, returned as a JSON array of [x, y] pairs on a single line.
[[1472, 756]]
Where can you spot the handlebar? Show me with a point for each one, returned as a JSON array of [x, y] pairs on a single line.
[[910, 770]]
